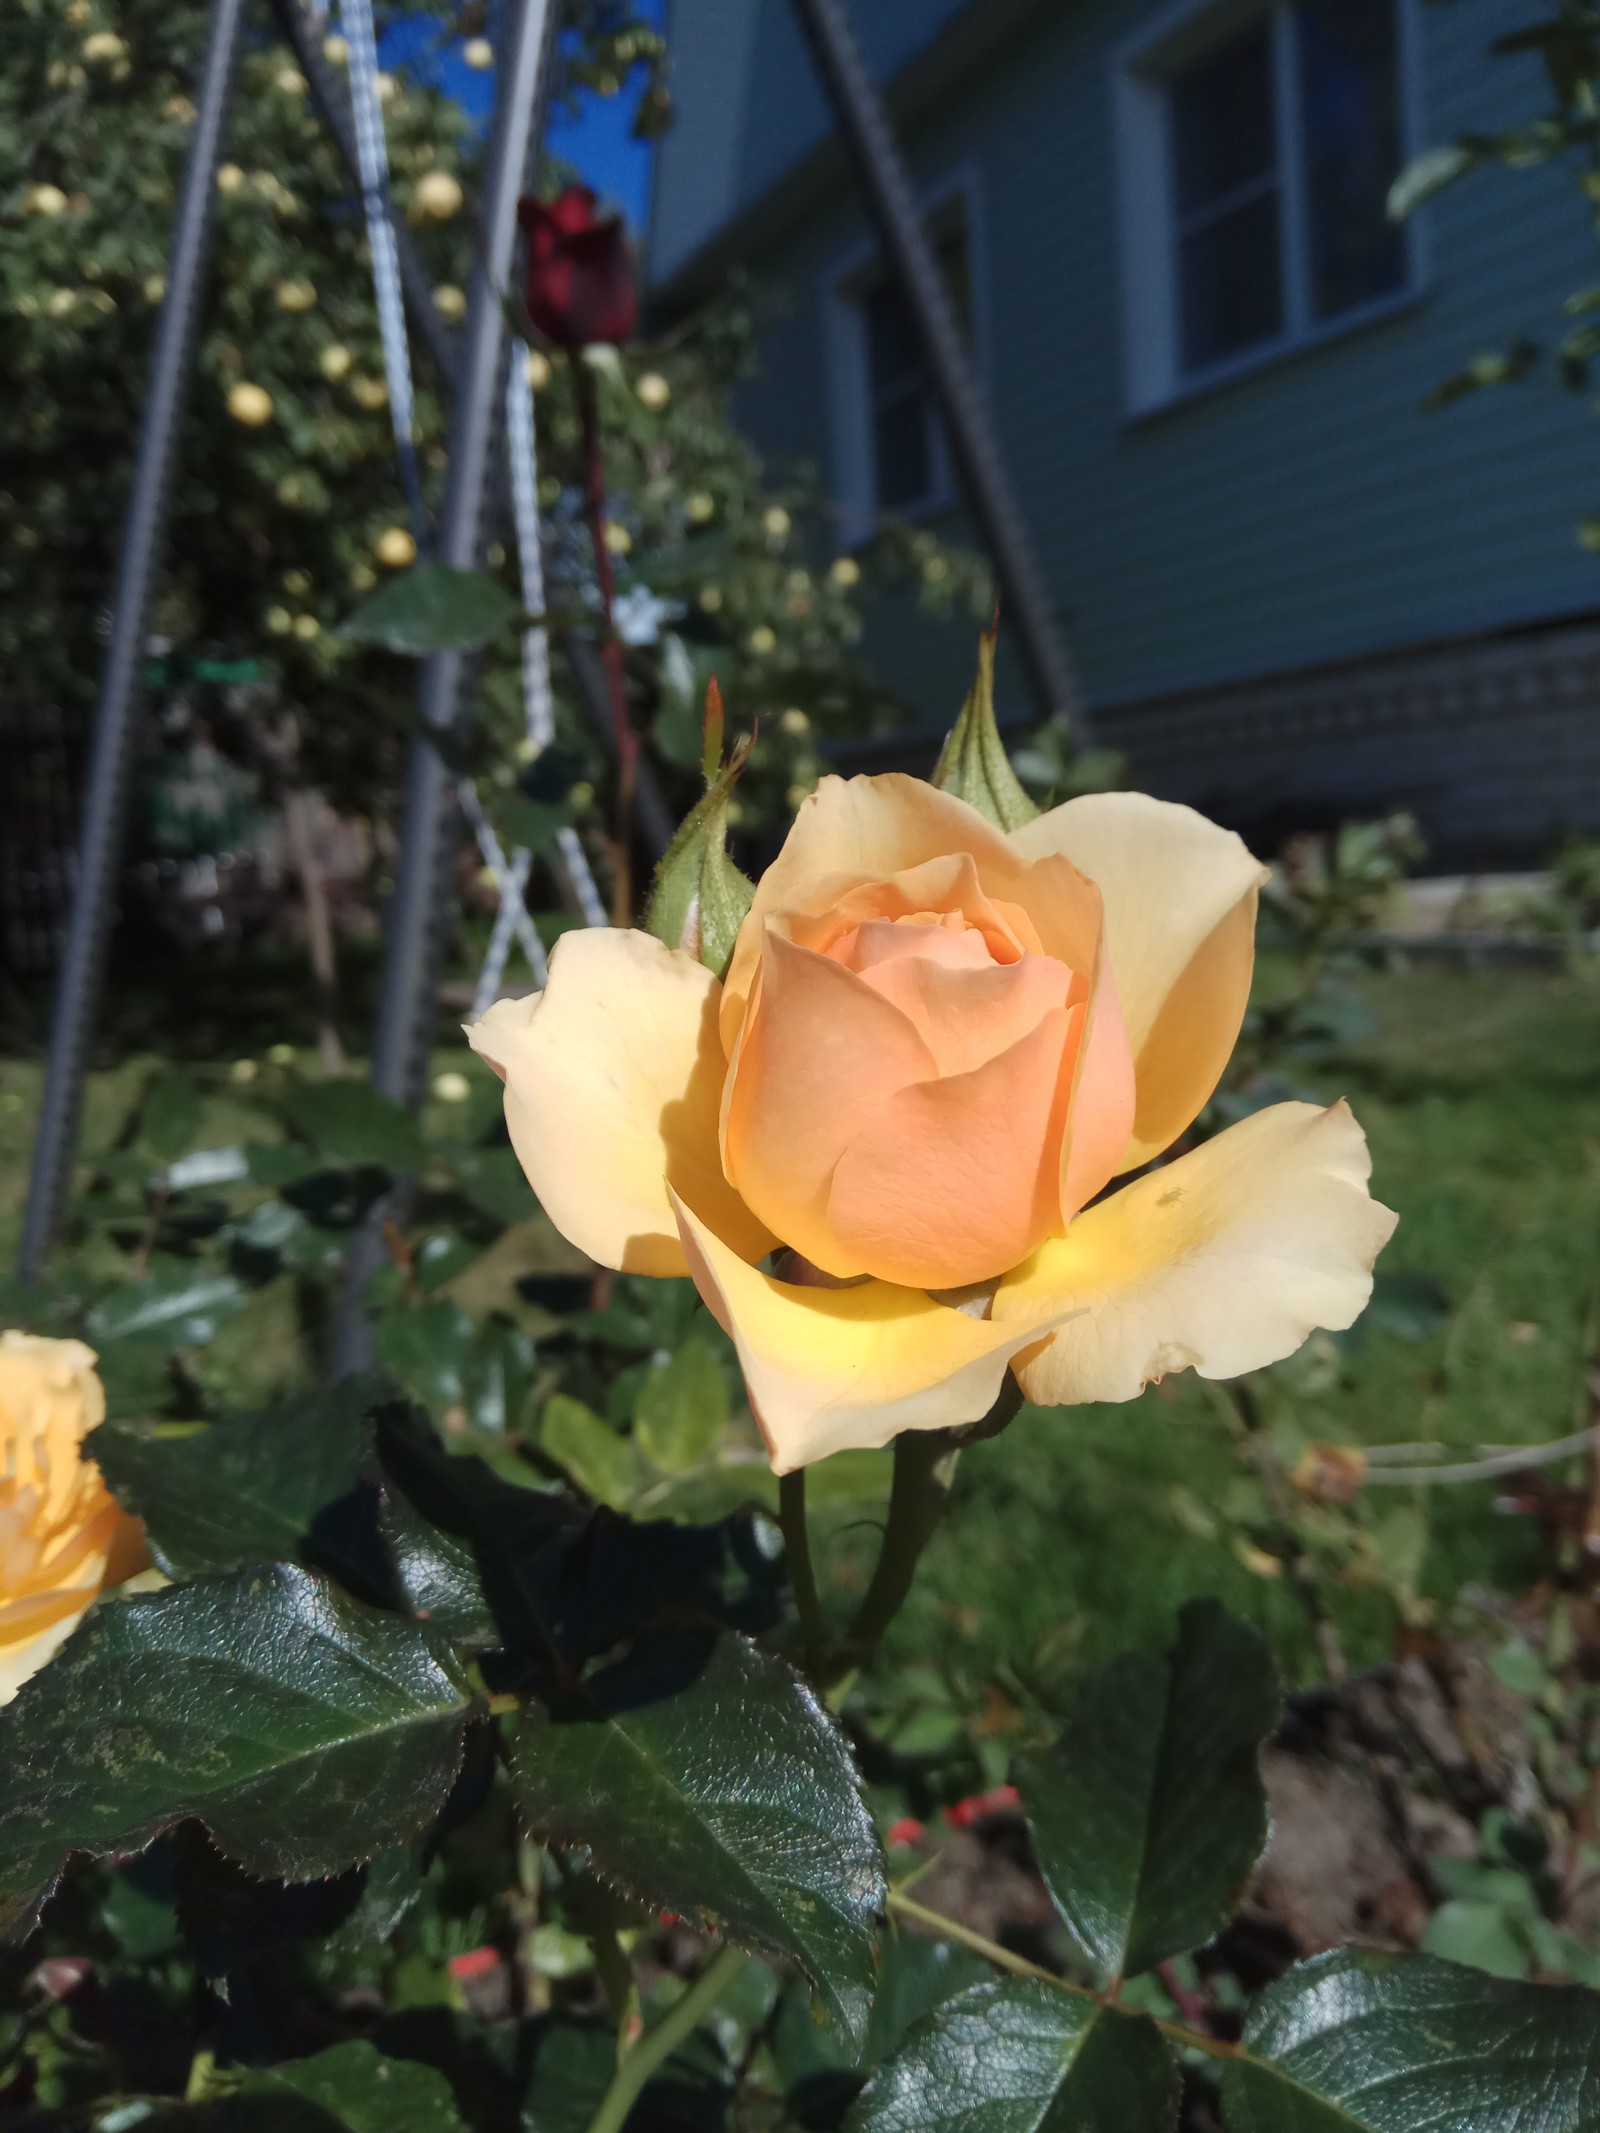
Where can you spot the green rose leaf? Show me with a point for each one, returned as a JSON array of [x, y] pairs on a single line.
[[705, 1777], [491, 1180], [1024, 2057], [171, 1112], [359, 2088], [682, 1408], [281, 1485], [178, 1304], [347, 1122], [427, 1350], [603, 1464], [1352, 2042], [973, 763], [433, 608], [1149, 1813], [306, 1731], [475, 1555]]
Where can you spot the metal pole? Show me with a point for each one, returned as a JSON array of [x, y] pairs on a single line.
[[332, 105], [116, 722], [414, 919], [865, 129]]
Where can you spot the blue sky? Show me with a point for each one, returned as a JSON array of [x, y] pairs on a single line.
[[597, 140]]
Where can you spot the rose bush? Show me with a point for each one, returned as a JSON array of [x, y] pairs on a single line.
[[935, 1045], [63, 1538]]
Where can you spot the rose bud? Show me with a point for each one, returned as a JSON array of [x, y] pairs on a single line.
[[580, 285]]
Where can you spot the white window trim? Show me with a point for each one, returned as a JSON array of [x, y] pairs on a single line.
[[1142, 65], [852, 457]]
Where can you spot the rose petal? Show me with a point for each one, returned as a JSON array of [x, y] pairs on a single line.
[[1224, 1260], [831, 1370], [613, 1081], [968, 1014], [821, 1052], [850, 830], [1180, 897], [954, 1181]]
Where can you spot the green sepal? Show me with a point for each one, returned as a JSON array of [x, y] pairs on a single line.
[[973, 763], [699, 897]]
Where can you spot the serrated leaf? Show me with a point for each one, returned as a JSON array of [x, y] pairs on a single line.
[[304, 1730], [363, 2090], [433, 608], [1023, 2057], [682, 1408], [178, 1304], [973, 764], [281, 1485], [1149, 1814], [1352, 2042], [704, 1776], [350, 1123]]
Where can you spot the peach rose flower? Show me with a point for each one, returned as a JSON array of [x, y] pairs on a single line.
[[63, 1538], [935, 1046]]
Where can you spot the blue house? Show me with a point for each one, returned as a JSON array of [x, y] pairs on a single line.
[[1290, 595]]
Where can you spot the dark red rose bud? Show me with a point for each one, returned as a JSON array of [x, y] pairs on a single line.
[[580, 285]]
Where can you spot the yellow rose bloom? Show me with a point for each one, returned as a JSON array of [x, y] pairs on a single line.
[[935, 1047], [63, 1538]]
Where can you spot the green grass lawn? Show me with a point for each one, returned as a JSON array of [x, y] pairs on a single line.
[[1080, 1531]]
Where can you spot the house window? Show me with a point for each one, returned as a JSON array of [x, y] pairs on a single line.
[[1258, 147], [890, 449]]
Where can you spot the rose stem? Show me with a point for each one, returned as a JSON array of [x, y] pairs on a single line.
[[802, 1574], [924, 1469], [661, 2040], [594, 510]]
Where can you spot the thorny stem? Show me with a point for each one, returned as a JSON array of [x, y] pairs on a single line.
[[594, 511], [802, 1572], [640, 2060], [1019, 1966]]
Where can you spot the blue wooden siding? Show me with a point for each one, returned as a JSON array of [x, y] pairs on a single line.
[[1304, 513]]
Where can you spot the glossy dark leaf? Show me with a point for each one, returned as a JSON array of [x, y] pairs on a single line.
[[427, 1348], [1352, 2042], [306, 1731], [480, 1558], [347, 1122], [1023, 2057], [178, 1304], [705, 1777], [1149, 1813], [363, 2090], [282, 1485], [433, 608]]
